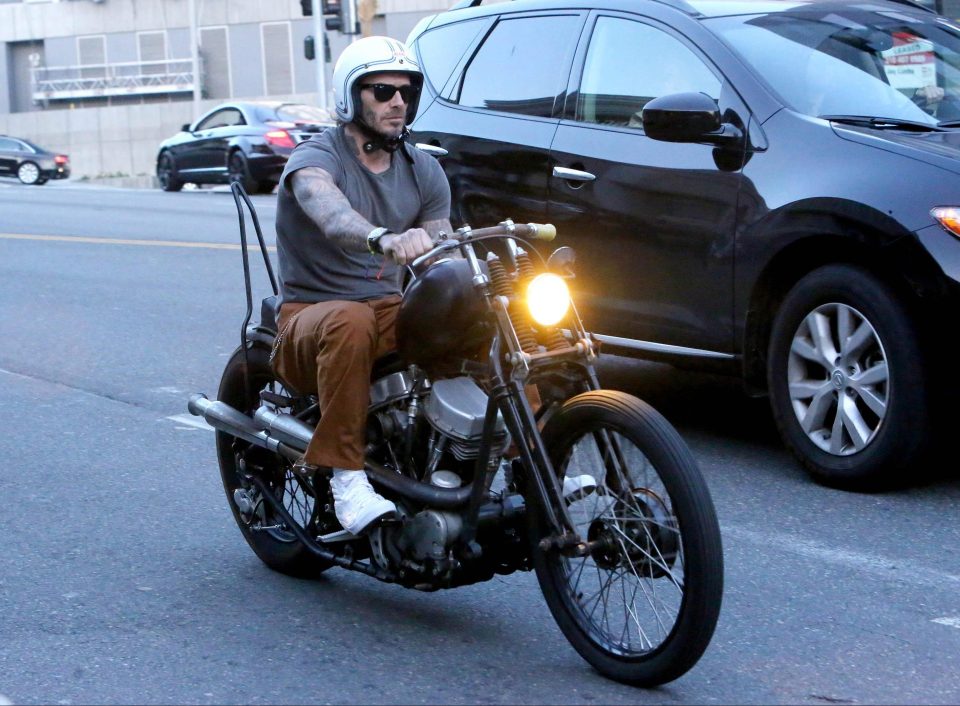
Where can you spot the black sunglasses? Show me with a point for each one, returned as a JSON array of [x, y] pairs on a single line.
[[385, 91]]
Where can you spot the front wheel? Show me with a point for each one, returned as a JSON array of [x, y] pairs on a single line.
[[847, 381], [272, 541], [642, 605]]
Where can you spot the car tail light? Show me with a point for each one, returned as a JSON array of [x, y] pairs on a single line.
[[61, 159], [280, 138], [948, 217]]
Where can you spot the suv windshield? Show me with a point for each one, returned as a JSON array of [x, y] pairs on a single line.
[[853, 62]]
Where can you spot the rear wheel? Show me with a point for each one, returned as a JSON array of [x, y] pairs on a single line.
[[642, 606], [239, 171], [265, 532], [28, 173], [266, 187], [167, 173]]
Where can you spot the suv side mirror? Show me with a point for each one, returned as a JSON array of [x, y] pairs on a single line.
[[185, 127], [687, 117]]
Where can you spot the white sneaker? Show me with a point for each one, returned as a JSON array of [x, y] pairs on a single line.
[[578, 487], [355, 502]]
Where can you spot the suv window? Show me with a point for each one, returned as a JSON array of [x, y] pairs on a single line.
[[659, 65], [440, 49], [516, 71], [222, 118]]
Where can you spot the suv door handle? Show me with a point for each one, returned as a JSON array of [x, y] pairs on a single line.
[[572, 174], [431, 149]]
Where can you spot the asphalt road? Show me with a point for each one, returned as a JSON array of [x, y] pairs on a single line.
[[123, 578]]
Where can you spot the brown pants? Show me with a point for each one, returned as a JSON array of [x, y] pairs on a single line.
[[328, 349]]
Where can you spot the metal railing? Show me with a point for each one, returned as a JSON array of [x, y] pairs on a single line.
[[132, 78]]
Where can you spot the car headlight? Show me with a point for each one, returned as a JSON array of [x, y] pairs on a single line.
[[548, 299], [948, 217]]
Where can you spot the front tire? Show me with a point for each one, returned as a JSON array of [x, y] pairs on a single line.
[[642, 606], [846, 379], [278, 548]]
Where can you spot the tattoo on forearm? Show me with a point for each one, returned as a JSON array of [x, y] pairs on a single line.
[[326, 206], [434, 228]]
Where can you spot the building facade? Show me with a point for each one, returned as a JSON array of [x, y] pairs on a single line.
[[82, 72]]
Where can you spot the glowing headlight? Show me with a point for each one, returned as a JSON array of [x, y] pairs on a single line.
[[548, 299], [948, 217]]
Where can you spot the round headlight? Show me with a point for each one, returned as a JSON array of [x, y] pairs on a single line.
[[548, 299]]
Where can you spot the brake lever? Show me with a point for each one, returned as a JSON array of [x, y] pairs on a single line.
[[443, 247]]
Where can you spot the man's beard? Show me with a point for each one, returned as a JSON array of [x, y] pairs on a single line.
[[370, 118]]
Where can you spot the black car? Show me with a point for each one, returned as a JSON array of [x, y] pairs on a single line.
[[766, 188], [30, 163], [247, 142]]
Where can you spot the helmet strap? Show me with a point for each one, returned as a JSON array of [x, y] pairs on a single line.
[[377, 141]]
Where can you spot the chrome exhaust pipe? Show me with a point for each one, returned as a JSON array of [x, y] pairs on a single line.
[[284, 427], [225, 418], [286, 435]]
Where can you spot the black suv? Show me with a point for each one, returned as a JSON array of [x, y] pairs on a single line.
[[767, 188]]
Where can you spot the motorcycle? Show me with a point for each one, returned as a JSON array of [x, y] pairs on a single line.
[[594, 490]]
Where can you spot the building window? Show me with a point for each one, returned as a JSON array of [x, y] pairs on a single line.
[[277, 58], [152, 49], [215, 53], [92, 56]]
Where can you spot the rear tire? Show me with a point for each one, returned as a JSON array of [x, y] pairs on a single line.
[[239, 171], [656, 542], [167, 173], [279, 549], [29, 173]]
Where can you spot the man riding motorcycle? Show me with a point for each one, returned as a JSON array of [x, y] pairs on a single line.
[[354, 205]]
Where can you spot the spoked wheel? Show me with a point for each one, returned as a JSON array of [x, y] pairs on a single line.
[[642, 605], [266, 533]]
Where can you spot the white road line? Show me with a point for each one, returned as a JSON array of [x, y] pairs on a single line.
[[899, 570], [191, 421], [951, 622]]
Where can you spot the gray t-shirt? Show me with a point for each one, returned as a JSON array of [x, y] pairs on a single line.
[[314, 268]]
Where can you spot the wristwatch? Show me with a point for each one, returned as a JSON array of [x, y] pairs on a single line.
[[373, 240]]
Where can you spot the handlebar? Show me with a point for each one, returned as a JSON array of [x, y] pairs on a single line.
[[531, 231]]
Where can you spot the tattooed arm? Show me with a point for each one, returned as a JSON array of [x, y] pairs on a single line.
[[434, 228], [326, 206]]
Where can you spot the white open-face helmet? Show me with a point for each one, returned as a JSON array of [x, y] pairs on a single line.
[[371, 55]]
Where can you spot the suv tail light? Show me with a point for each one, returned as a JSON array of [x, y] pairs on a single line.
[[61, 159], [280, 138]]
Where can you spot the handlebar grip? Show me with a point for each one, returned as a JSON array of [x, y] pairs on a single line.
[[543, 231]]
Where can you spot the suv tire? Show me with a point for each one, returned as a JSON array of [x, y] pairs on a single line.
[[846, 379]]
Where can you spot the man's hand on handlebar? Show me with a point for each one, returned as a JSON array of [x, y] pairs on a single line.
[[405, 247]]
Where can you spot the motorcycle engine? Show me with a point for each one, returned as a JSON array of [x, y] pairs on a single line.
[[456, 408]]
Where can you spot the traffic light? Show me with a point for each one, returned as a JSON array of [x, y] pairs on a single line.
[[309, 48], [344, 16], [307, 7]]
